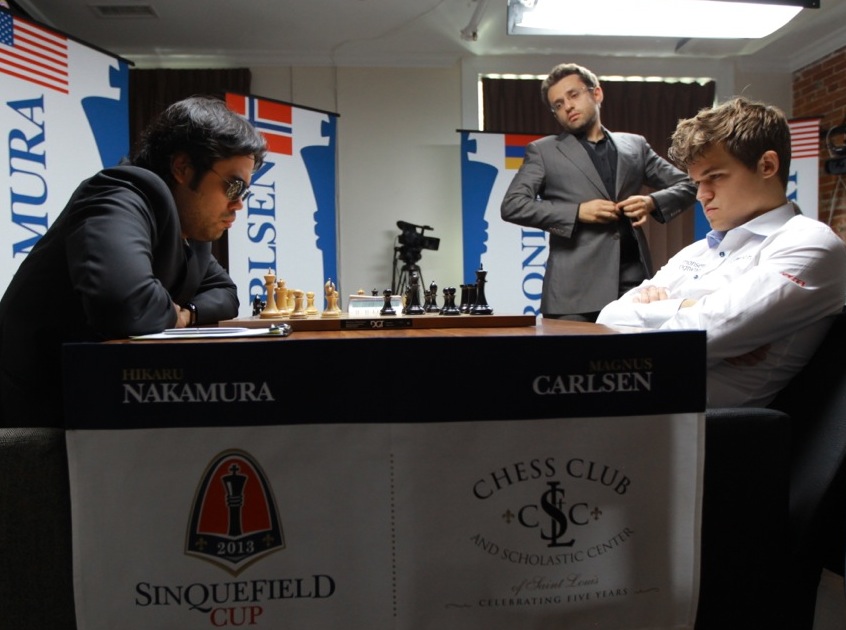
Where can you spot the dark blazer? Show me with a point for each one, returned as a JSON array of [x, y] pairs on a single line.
[[582, 268], [111, 265]]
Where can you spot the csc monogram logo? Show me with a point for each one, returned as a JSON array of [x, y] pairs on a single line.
[[554, 517]]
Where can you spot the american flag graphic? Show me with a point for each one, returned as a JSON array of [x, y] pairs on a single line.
[[272, 118], [515, 149], [33, 53], [805, 138]]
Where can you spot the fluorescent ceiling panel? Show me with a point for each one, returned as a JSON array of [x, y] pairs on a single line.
[[648, 18]]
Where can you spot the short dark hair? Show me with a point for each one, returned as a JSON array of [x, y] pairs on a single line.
[[565, 70], [205, 129], [745, 128]]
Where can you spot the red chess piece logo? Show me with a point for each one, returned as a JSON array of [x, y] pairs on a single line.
[[234, 521]]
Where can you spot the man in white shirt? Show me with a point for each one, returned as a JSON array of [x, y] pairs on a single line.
[[766, 281]]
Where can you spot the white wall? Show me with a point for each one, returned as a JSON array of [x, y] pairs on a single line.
[[398, 160], [398, 146]]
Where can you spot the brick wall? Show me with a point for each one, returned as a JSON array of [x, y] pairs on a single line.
[[819, 90]]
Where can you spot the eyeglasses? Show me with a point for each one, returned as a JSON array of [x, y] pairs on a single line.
[[236, 189], [570, 97]]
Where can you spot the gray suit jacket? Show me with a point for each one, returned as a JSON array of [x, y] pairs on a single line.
[[582, 268]]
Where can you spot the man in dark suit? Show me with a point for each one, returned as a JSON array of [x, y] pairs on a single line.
[[584, 187], [130, 254]]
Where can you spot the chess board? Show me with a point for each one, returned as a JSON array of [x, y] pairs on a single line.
[[345, 322]]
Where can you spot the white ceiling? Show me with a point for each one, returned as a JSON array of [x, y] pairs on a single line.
[[403, 33]]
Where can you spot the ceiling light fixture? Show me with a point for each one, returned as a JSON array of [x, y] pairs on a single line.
[[470, 32], [649, 18]]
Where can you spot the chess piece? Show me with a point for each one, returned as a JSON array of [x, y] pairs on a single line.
[[282, 298], [480, 305], [387, 307], [311, 309], [331, 294], [270, 311], [299, 307], [432, 302], [258, 305], [412, 306], [449, 307], [328, 290], [468, 297]]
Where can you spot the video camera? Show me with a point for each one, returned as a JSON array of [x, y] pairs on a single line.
[[835, 139], [413, 241]]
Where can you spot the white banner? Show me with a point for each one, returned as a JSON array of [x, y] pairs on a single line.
[[513, 256], [289, 226], [568, 522], [64, 116]]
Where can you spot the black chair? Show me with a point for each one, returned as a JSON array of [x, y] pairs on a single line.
[[36, 575], [744, 519], [816, 402], [774, 500]]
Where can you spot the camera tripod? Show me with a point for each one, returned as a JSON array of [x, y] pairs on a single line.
[[401, 278]]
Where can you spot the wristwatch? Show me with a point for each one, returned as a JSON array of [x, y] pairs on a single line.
[[193, 308]]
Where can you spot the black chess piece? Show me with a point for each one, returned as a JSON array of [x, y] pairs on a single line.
[[258, 305], [387, 307], [432, 301], [480, 305], [464, 304], [449, 307], [471, 296], [412, 302], [468, 297]]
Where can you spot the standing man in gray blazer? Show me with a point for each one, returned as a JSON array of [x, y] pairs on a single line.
[[584, 188]]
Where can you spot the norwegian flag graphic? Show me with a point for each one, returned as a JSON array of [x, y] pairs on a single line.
[[33, 53], [272, 118]]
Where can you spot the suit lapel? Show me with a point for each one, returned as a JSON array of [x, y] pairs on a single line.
[[576, 153], [625, 160]]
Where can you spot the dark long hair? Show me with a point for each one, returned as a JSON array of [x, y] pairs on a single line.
[[205, 129]]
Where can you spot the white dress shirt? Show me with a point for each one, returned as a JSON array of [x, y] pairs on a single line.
[[777, 279]]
